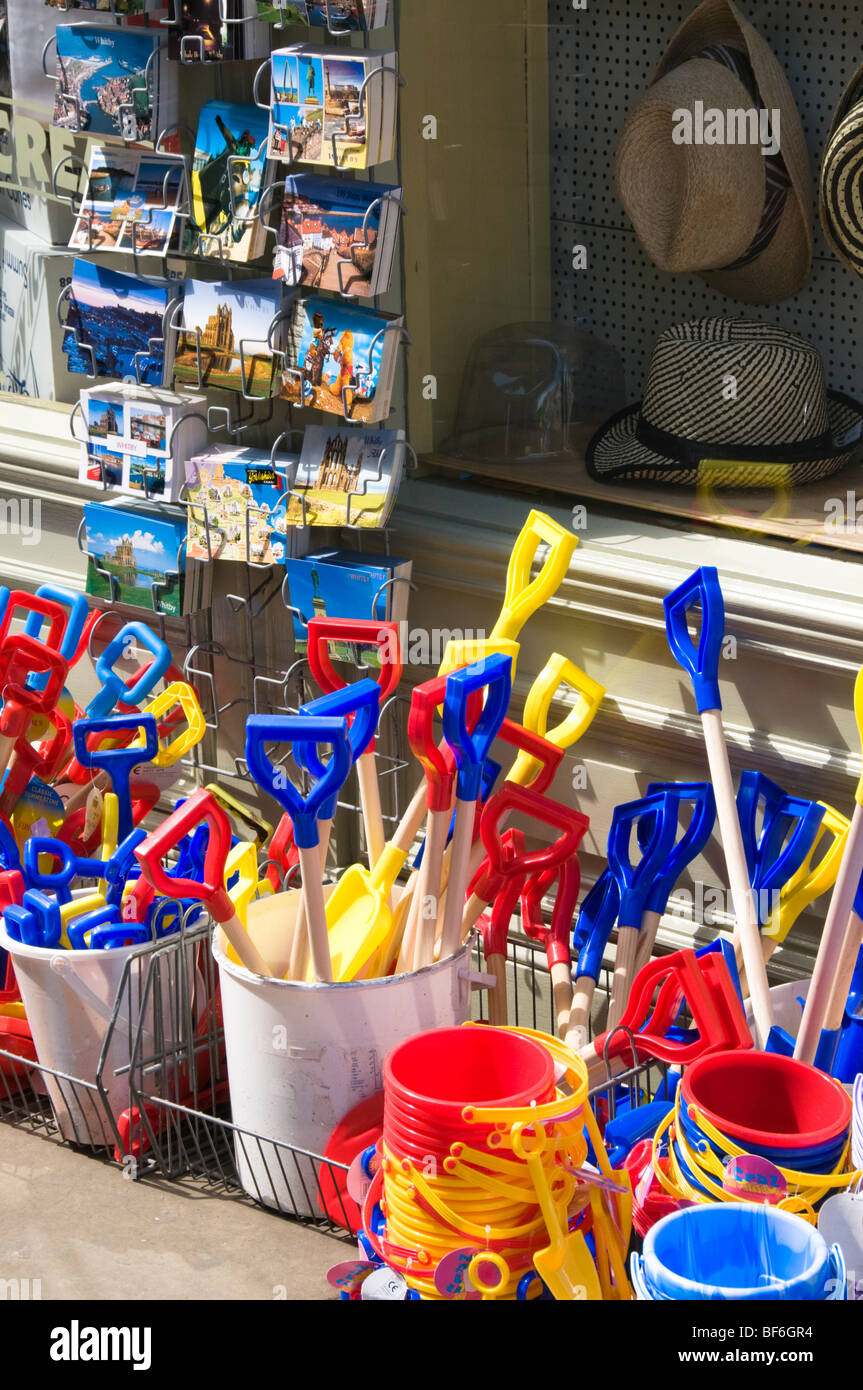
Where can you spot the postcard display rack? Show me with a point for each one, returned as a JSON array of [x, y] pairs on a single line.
[[235, 650]]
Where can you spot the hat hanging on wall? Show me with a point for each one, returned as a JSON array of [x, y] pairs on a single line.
[[731, 402], [841, 194], [712, 165]]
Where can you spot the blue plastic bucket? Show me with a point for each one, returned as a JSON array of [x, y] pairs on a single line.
[[738, 1251], [818, 1158]]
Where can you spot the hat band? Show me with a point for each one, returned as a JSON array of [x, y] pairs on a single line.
[[692, 451], [777, 178]]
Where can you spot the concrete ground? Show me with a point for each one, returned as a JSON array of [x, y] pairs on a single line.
[[76, 1224]]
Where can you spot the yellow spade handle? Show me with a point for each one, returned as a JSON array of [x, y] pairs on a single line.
[[196, 726], [461, 652], [557, 673], [524, 596], [242, 859], [858, 715], [808, 883]]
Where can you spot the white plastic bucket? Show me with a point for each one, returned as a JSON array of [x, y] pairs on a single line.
[[785, 1003], [301, 1056], [69, 998]]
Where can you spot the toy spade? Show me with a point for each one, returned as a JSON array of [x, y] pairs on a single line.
[[565, 1264], [200, 807], [114, 687], [470, 747], [20, 656], [634, 881], [525, 595], [555, 938], [495, 929], [385, 637], [42, 759], [682, 854], [592, 934], [789, 828], [841, 937], [702, 664], [118, 763], [809, 883], [360, 705], [304, 811], [557, 674]]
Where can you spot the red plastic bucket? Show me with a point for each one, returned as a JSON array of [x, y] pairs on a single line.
[[764, 1099], [429, 1080]]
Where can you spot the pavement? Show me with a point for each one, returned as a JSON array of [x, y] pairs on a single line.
[[76, 1224]]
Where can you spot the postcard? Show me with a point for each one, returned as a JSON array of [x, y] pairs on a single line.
[[237, 506], [199, 33], [135, 557], [347, 477], [224, 340], [134, 201], [227, 176], [104, 466], [332, 234], [105, 81], [337, 357], [114, 325]]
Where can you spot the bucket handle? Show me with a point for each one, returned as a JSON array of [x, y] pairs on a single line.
[[477, 979]]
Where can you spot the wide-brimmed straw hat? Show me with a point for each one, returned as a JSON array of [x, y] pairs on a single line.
[[733, 403], [725, 211], [841, 192]]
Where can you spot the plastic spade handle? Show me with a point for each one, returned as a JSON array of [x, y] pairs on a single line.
[[558, 671], [691, 843], [201, 806], [360, 705], [507, 891], [564, 818], [42, 608], [305, 812], [524, 596], [118, 762], [72, 866], [437, 760], [471, 747], [555, 938], [702, 662], [45, 913], [77, 606], [593, 929], [384, 636], [538, 759], [114, 687], [17, 655], [754, 789], [635, 881], [772, 863], [179, 701], [21, 925]]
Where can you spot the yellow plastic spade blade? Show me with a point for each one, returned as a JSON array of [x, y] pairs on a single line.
[[565, 1264], [524, 596], [558, 672], [359, 919]]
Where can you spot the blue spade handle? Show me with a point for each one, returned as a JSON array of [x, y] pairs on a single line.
[[702, 662], [691, 843], [770, 860], [117, 762], [71, 866], [77, 605], [593, 928], [44, 912], [470, 748], [10, 855], [303, 811], [634, 881], [113, 686], [21, 925], [362, 701]]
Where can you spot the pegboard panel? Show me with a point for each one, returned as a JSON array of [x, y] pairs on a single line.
[[601, 59]]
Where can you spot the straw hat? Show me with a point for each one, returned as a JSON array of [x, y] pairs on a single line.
[[733, 402], [728, 212], [841, 194]]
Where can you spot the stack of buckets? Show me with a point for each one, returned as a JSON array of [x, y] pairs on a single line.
[[791, 1114], [737, 1251]]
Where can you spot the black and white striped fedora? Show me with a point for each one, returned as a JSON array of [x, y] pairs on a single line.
[[732, 402], [841, 191]]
